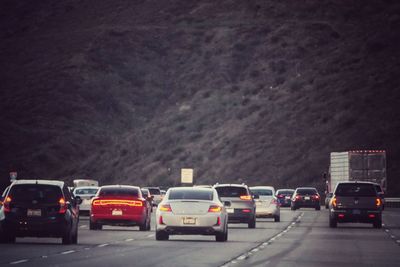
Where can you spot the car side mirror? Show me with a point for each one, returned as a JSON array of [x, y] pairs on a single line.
[[227, 203], [256, 196], [78, 200]]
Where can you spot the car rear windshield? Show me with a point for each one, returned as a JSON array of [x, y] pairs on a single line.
[[191, 194], [85, 191], [231, 191], [284, 192], [119, 191], [307, 191], [262, 192], [154, 191], [43, 194], [356, 190]]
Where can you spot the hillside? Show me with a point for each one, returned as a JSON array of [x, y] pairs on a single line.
[[242, 91]]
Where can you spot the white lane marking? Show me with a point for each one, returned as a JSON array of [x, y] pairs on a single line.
[[279, 235], [386, 230], [82, 226], [67, 252], [255, 250], [392, 236], [241, 257], [18, 262], [383, 224], [129, 240], [150, 235], [86, 248], [44, 256], [398, 241], [102, 245]]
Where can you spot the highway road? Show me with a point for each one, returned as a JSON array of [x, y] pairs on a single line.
[[302, 238]]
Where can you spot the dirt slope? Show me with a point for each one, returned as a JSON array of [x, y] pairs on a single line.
[[242, 91]]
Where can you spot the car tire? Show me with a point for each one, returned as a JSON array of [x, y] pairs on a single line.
[[144, 226], [75, 237], [292, 207], [67, 238], [378, 223], [277, 218], [318, 207], [161, 235], [93, 226], [252, 223], [332, 222]]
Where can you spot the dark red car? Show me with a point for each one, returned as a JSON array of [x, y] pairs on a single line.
[[121, 205]]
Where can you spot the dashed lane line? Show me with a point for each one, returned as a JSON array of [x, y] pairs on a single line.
[[67, 252], [18, 262]]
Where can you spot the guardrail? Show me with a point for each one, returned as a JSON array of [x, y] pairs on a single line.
[[392, 202]]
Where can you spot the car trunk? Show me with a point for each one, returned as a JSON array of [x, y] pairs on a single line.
[[189, 207]]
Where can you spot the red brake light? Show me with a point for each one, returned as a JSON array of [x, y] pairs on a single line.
[[371, 216], [107, 202], [166, 208], [316, 197], [214, 208], [63, 205], [341, 215], [218, 221], [298, 197], [280, 195], [160, 220], [246, 211], [245, 197], [6, 204]]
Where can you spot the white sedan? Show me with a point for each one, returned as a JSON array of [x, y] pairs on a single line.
[[267, 205], [86, 193], [191, 211]]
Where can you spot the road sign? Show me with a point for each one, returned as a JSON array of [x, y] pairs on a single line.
[[13, 176], [187, 176]]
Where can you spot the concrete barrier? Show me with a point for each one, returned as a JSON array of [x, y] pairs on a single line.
[[392, 202]]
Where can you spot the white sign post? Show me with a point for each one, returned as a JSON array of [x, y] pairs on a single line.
[[187, 176]]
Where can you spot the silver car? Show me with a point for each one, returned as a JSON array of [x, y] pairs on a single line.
[[267, 205], [191, 210]]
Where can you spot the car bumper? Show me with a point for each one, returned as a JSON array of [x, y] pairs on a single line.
[[123, 220], [199, 224], [354, 215], [308, 204], [270, 212], [46, 227]]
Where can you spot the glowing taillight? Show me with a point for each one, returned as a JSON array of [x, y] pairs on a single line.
[[165, 208], [316, 197], [245, 197], [298, 197], [378, 202], [218, 221], [215, 208], [341, 216], [6, 204], [160, 220], [246, 211], [280, 196], [119, 202], [333, 202], [63, 205], [371, 216]]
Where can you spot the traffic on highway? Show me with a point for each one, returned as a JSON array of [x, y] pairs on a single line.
[[42, 225]]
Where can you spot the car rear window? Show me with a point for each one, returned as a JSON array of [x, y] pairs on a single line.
[[357, 190], [231, 191], [262, 192], [119, 191], [154, 191], [43, 194], [191, 194], [307, 191], [284, 192], [85, 191]]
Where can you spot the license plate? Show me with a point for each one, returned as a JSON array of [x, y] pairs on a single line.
[[287, 197], [34, 213], [356, 212], [117, 212], [228, 210], [306, 198], [189, 220]]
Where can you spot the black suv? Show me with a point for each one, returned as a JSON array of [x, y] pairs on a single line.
[[40, 208], [305, 197], [355, 202], [239, 203]]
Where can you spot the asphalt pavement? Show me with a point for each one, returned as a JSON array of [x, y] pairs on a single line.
[[302, 238]]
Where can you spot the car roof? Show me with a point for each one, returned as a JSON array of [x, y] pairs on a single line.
[[262, 187], [192, 188], [306, 188], [285, 189], [119, 186], [86, 187], [234, 185], [357, 182], [42, 182]]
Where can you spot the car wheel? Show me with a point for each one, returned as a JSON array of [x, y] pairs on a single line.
[[378, 223], [75, 237], [252, 223], [93, 225], [161, 235], [144, 226], [332, 222], [292, 207], [318, 207], [277, 218], [67, 238]]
